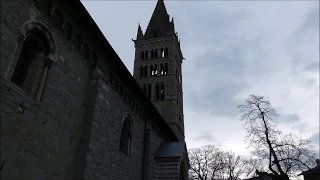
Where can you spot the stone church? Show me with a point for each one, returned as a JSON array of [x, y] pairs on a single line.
[[70, 109]]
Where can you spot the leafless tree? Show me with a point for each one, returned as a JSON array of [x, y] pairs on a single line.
[[211, 163], [206, 162], [286, 154]]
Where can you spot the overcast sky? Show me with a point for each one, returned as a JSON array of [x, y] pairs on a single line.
[[232, 49]]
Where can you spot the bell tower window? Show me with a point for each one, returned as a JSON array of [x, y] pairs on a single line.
[[149, 91], [146, 54], [162, 92], [145, 71], [157, 92]]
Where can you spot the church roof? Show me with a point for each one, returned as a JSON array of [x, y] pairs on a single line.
[[159, 24], [170, 149]]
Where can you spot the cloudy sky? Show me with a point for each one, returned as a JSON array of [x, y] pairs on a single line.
[[232, 49]]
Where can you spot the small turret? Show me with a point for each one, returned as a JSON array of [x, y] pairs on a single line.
[[139, 33], [170, 29]]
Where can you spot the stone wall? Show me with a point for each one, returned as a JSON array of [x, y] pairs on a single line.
[[74, 129]]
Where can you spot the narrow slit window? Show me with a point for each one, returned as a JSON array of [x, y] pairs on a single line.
[[141, 71], [144, 88], [146, 54], [161, 69], [157, 91], [155, 69], [125, 139], [166, 69], [149, 91], [156, 53], [151, 70], [166, 52], [162, 91], [145, 71]]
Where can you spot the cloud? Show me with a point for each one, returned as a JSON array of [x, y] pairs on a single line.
[[313, 66], [315, 142], [220, 100], [303, 47], [232, 49], [289, 118], [205, 136]]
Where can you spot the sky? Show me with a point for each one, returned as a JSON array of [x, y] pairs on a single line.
[[232, 49]]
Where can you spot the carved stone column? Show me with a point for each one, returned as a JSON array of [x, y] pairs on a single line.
[[47, 64]]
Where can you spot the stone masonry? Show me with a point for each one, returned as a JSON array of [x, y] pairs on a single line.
[[68, 124]]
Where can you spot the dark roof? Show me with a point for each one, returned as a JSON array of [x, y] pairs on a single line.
[[170, 149], [159, 22]]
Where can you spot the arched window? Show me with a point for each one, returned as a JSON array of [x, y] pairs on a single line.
[[149, 91], [141, 71], [76, 41], [162, 92], [162, 53], [67, 29], [157, 92], [166, 52], [156, 53], [32, 64], [56, 19], [125, 138], [152, 54], [145, 71], [161, 69], [142, 55], [166, 69], [146, 55], [151, 70], [155, 69]]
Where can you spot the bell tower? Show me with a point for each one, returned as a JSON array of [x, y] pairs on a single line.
[[157, 67]]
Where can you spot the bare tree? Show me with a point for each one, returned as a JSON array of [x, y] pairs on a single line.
[[285, 154], [210, 163], [206, 162], [239, 167]]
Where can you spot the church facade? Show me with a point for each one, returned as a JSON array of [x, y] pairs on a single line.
[[70, 109]]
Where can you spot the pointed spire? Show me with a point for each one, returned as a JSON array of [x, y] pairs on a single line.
[[159, 22], [139, 33], [170, 29]]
